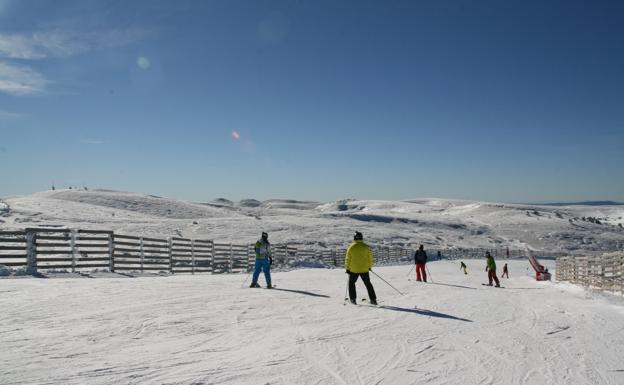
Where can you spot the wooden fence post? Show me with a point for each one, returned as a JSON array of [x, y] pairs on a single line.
[[212, 257], [231, 264], [72, 243], [31, 252], [192, 256], [250, 254], [111, 252], [142, 253], [621, 272], [169, 246]]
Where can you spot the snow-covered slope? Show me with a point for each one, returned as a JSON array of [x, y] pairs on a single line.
[[438, 223], [208, 329], [143, 205]]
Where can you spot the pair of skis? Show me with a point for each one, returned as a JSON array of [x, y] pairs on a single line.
[[363, 302], [267, 288], [498, 287]]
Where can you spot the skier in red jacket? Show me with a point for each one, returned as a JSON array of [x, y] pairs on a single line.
[[505, 271]]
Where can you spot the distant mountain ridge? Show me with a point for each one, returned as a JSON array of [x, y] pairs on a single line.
[[584, 203], [436, 223]]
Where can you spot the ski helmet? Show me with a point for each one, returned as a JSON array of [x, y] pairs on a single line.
[[358, 236]]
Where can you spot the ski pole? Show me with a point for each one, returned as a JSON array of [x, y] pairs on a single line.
[[410, 272], [246, 278], [428, 272], [387, 283]]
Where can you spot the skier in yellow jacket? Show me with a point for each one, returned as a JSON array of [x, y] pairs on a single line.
[[358, 262]]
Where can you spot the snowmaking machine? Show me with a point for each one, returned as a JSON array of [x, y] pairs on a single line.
[[541, 273]]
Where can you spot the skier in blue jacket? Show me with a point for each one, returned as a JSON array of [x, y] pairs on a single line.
[[264, 259]]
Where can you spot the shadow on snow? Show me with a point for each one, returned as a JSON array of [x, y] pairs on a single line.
[[448, 284], [302, 292], [429, 313], [525, 288]]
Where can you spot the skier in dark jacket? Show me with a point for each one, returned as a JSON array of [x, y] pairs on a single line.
[[264, 260], [420, 259], [505, 271]]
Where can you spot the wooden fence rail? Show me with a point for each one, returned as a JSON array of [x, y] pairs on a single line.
[[604, 272]]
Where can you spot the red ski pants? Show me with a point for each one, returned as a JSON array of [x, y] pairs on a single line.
[[420, 270], [492, 276]]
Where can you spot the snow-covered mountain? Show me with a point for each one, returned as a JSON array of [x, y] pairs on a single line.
[[208, 328], [438, 223]]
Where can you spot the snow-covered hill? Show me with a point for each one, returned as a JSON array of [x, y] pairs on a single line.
[[205, 329], [438, 223], [208, 329]]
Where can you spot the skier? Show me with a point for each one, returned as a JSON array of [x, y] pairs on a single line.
[[264, 260], [358, 262], [505, 271], [491, 269], [463, 266], [420, 258]]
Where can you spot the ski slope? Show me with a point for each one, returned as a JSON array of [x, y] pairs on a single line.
[[208, 329]]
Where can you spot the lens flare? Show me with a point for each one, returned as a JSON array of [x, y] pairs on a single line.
[[143, 62], [235, 135]]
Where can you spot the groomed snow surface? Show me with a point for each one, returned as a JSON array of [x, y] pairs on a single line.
[[209, 329]]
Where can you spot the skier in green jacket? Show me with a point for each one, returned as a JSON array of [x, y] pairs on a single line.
[[491, 269], [463, 266]]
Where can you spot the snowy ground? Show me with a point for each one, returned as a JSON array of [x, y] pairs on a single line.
[[438, 223], [207, 329]]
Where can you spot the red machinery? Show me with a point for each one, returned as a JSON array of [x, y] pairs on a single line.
[[541, 273]]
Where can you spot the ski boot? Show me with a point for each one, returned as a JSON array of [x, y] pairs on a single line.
[[254, 284], [373, 301], [269, 287]]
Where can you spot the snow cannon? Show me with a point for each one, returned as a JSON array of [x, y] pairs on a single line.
[[541, 273]]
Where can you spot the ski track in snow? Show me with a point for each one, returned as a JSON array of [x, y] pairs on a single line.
[[206, 329]]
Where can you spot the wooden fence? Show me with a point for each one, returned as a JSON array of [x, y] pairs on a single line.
[[500, 252], [604, 272], [75, 250], [38, 249]]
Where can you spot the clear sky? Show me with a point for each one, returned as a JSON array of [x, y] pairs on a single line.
[[514, 101]]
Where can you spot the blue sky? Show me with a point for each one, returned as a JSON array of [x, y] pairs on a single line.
[[515, 101]]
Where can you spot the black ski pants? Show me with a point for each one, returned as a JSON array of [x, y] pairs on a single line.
[[369, 286]]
